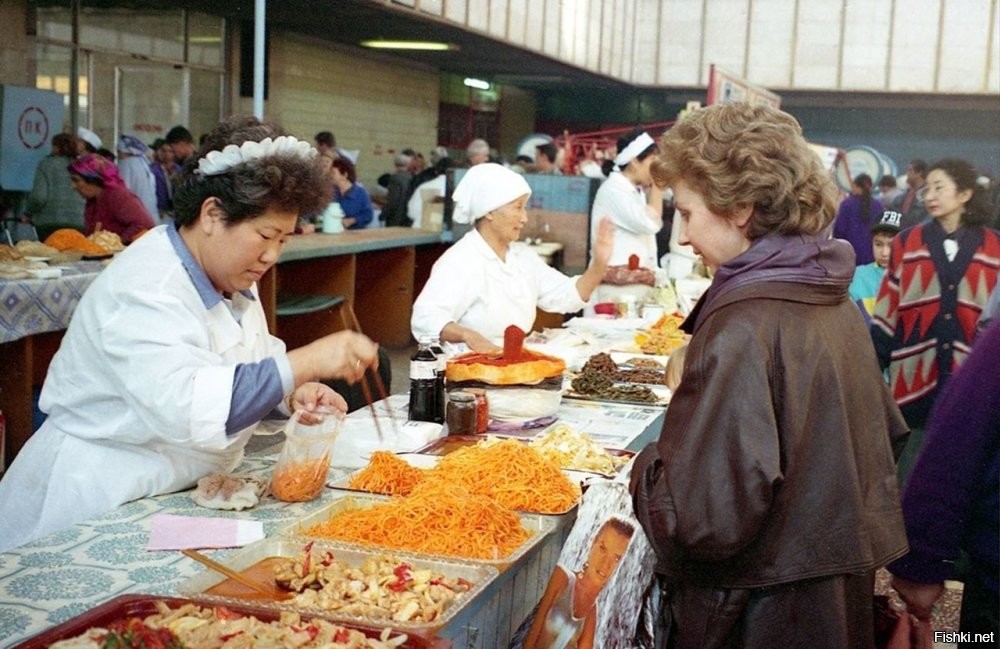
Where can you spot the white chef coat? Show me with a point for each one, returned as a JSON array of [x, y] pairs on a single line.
[[635, 225], [138, 395], [472, 286]]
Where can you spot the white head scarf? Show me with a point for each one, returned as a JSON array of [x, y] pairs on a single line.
[[484, 188], [642, 142]]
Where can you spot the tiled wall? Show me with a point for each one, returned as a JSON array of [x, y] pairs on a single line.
[[371, 105], [14, 50]]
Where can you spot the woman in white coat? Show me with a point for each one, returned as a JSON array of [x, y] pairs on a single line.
[[167, 366], [637, 216], [488, 281]]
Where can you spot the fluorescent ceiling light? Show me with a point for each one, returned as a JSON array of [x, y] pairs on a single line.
[[479, 84], [408, 45]]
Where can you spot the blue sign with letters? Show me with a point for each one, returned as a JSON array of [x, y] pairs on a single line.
[[28, 119]]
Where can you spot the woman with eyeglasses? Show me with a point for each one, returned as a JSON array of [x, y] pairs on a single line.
[[940, 276]]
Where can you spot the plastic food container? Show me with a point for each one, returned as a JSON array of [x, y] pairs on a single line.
[[478, 574], [537, 526], [126, 606], [300, 472]]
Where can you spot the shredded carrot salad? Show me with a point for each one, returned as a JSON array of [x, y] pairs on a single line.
[[386, 473], [516, 475], [299, 481], [435, 518], [513, 474]]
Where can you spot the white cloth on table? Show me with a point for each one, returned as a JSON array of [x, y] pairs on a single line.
[[635, 225], [472, 286], [138, 395]]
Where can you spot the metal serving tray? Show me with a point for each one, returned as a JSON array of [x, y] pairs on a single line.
[[449, 443], [538, 528], [126, 606], [426, 461], [479, 574]]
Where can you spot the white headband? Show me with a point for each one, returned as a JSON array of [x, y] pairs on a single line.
[[217, 162], [484, 188], [634, 148]]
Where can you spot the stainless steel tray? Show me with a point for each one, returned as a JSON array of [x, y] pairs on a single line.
[[427, 461], [538, 528], [478, 573]]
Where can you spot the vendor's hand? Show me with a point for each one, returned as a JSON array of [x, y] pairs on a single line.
[[919, 598], [343, 355], [309, 397], [480, 343], [604, 242], [456, 333], [675, 368]]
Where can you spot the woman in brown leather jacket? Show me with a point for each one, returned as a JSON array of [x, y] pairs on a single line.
[[770, 496]]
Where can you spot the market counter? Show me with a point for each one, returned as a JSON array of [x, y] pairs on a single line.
[[378, 271], [34, 313], [68, 572]]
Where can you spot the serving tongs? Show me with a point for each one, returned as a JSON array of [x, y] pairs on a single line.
[[270, 593], [351, 323]]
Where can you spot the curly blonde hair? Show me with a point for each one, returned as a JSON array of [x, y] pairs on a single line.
[[736, 155]]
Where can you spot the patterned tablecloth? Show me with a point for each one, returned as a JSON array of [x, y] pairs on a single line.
[[69, 572], [32, 306]]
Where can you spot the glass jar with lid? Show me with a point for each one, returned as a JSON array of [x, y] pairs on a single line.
[[461, 415]]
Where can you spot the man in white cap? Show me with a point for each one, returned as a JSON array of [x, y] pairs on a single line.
[[488, 281], [89, 140], [133, 167]]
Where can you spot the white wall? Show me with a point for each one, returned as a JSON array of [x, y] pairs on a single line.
[[935, 46]]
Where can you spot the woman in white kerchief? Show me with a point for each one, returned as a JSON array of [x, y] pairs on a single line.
[[637, 216], [488, 281]]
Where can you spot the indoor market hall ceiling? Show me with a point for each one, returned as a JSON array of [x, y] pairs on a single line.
[[348, 22]]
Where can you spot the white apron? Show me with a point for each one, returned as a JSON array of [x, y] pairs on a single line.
[[472, 286], [137, 396]]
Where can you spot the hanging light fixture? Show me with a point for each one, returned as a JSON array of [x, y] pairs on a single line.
[[379, 44], [478, 84]]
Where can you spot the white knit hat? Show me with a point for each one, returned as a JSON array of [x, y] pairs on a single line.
[[484, 188]]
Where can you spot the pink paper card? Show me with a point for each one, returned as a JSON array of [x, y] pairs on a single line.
[[171, 532]]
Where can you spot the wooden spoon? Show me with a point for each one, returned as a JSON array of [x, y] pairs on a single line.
[[263, 589]]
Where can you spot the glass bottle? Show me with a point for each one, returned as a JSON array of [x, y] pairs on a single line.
[[461, 413], [442, 363], [423, 384]]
